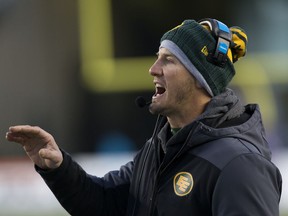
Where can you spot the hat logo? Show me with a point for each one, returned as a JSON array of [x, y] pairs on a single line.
[[204, 50], [183, 183]]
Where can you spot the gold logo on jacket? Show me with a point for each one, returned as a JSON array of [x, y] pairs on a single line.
[[183, 183]]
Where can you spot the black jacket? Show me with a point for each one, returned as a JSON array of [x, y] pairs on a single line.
[[218, 165]]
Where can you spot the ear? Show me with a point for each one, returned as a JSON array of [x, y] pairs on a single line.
[[202, 90]]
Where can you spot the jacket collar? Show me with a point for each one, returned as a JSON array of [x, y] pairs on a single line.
[[221, 109]]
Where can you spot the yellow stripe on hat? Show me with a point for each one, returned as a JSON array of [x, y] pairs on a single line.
[[239, 43]]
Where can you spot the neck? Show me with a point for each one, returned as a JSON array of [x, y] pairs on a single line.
[[181, 120], [187, 115]]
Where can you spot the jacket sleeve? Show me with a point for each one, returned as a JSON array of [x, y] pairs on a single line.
[[83, 194], [249, 185]]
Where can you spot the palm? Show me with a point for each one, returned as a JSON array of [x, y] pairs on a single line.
[[32, 147], [38, 144]]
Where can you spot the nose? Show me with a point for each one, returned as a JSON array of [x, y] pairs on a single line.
[[155, 69]]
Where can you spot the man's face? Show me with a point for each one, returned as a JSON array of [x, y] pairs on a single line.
[[174, 85]]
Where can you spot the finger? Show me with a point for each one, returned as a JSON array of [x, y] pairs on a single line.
[[27, 130], [18, 128], [24, 129], [14, 137]]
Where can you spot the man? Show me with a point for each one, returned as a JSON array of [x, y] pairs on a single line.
[[207, 155]]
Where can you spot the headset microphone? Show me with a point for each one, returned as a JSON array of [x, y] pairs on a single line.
[[141, 102]]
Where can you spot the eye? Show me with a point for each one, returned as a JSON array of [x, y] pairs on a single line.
[[169, 59]]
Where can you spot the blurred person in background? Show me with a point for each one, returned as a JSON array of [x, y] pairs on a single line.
[[207, 155]]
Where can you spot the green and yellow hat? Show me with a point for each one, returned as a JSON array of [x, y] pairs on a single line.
[[208, 49]]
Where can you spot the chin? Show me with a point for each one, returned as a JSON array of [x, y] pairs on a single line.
[[156, 109], [152, 109]]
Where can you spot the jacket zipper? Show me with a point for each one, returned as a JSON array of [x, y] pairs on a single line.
[[145, 159], [159, 172]]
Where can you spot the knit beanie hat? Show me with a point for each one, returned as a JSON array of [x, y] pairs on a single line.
[[194, 44]]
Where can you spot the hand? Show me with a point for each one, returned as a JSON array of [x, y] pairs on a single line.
[[39, 145]]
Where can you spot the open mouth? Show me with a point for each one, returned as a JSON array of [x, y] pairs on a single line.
[[159, 90]]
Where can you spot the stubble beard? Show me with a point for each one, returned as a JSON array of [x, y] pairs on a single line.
[[167, 109]]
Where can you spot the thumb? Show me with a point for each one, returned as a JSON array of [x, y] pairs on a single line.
[[53, 158], [45, 154]]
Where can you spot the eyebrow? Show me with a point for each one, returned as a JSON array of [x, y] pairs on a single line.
[[166, 55]]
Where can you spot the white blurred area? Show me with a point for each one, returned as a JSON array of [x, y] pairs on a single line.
[[23, 192]]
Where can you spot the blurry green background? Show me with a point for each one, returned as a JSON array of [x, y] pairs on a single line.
[[75, 68]]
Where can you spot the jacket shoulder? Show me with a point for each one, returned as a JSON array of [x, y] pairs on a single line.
[[221, 151]]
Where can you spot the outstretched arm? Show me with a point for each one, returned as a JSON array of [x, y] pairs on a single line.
[[39, 145], [78, 192]]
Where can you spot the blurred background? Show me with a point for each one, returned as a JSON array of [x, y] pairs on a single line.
[[75, 67]]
